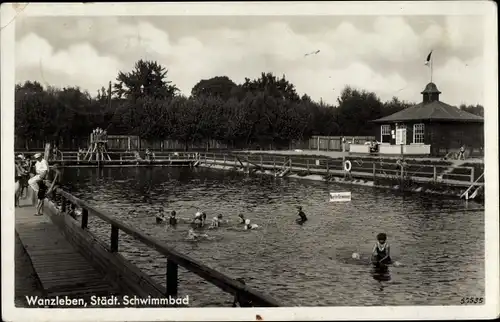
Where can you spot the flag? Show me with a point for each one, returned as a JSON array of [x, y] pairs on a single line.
[[428, 60]]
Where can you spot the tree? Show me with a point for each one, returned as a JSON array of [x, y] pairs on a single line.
[[356, 109], [219, 86], [271, 85], [395, 105], [473, 109], [147, 79]]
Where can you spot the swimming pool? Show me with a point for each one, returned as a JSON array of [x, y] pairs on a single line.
[[308, 265]]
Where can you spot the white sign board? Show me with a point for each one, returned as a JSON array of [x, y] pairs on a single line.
[[340, 196]]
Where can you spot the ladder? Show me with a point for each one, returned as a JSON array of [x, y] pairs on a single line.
[[474, 194], [285, 169]]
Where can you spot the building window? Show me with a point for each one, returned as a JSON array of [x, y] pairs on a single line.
[[418, 133], [386, 129]]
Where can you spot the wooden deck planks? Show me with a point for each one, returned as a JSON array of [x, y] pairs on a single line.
[[60, 268]]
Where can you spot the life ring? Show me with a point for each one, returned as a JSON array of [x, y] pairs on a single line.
[[347, 166]]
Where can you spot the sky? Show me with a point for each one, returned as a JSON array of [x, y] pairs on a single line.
[[383, 54]]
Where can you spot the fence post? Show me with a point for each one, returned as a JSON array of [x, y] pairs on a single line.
[[114, 238], [224, 159], [261, 161], [472, 175], [434, 175], [327, 166], [172, 274], [274, 163], [85, 218], [374, 170], [307, 163]]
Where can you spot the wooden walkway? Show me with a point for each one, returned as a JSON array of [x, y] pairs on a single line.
[[60, 268]]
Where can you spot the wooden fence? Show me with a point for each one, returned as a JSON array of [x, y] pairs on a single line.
[[135, 143], [367, 168]]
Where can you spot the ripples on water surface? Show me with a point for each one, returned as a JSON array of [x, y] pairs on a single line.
[[442, 253]]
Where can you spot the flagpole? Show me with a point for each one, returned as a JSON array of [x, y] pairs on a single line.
[[431, 62]]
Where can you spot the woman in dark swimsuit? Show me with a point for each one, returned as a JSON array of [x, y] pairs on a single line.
[[172, 221], [381, 255]]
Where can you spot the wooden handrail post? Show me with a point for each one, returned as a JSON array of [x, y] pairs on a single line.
[[327, 166], [261, 161], [224, 159], [307, 163], [374, 170], [274, 163], [172, 278], [114, 238], [472, 175], [434, 175], [85, 218]]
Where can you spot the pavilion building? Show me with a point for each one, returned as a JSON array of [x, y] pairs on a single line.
[[431, 127]]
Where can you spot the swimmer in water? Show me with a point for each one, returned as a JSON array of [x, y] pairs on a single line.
[[199, 219], [241, 219], [172, 221], [160, 217], [194, 236], [381, 255], [302, 216], [248, 225], [216, 221]]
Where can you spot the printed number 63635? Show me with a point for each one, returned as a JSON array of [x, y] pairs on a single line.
[[472, 300]]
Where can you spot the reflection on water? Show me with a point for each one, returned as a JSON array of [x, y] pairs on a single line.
[[442, 250]]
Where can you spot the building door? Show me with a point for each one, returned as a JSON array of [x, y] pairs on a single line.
[[401, 135]]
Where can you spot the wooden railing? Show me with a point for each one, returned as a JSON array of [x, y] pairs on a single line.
[[361, 167], [174, 258]]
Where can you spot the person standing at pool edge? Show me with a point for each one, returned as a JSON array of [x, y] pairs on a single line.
[[41, 169], [302, 216]]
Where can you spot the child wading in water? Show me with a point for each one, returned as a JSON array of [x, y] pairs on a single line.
[[302, 216], [381, 255], [172, 221]]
